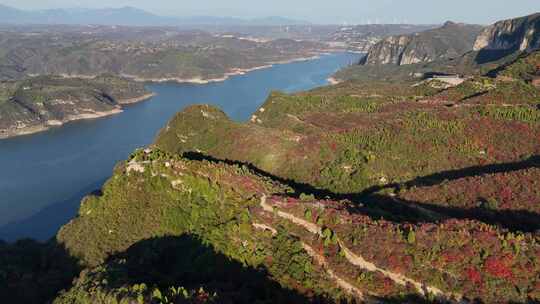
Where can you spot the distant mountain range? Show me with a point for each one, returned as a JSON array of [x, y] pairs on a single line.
[[128, 16]]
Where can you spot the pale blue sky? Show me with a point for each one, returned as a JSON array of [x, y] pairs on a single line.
[[320, 11]]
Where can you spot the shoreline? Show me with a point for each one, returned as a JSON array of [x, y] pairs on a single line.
[[128, 101], [232, 72], [49, 124], [201, 80], [44, 126], [334, 81]]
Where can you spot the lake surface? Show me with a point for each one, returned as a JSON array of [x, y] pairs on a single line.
[[44, 176]]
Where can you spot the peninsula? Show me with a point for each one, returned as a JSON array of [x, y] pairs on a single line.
[[39, 103]]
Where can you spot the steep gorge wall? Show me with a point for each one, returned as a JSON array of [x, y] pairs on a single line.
[[513, 34], [449, 41]]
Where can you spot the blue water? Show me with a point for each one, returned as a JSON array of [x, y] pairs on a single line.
[[44, 176]]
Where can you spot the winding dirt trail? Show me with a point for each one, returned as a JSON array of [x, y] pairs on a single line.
[[358, 260], [321, 261]]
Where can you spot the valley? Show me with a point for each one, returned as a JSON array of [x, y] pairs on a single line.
[[408, 174], [79, 156]]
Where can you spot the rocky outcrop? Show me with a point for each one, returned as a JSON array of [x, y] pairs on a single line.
[[514, 34], [449, 41]]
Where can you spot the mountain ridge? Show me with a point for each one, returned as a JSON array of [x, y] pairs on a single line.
[[127, 15]]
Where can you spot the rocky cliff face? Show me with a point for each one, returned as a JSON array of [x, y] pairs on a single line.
[[513, 34], [449, 41]]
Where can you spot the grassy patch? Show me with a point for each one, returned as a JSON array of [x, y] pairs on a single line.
[[513, 113]]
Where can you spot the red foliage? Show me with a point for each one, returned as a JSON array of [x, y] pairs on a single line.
[[314, 216], [394, 263], [202, 297], [451, 257], [499, 267], [474, 275], [506, 194], [399, 263], [273, 200], [388, 285], [476, 278], [290, 202], [407, 261], [251, 185]]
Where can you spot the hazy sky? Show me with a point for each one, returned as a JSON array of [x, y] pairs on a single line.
[[320, 11]]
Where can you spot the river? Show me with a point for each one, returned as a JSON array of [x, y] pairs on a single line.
[[44, 176]]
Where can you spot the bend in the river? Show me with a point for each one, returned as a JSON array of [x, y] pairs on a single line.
[[45, 175]]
